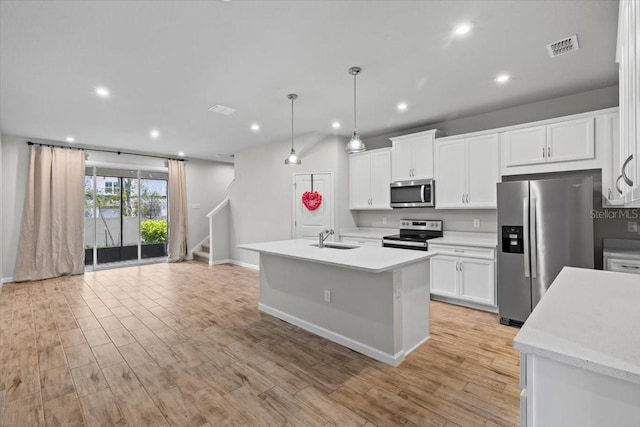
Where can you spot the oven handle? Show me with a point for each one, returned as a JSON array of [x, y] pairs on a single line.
[[395, 244], [422, 193]]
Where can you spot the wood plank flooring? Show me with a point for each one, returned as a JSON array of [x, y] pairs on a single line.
[[185, 345]]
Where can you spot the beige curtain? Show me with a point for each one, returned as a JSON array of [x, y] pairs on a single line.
[[52, 234], [177, 248]]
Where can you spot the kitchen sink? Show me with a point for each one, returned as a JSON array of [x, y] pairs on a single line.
[[334, 246]]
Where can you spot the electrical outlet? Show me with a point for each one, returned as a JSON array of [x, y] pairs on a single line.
[[384, 219], [476, 222], [632, 227], [327, 295]]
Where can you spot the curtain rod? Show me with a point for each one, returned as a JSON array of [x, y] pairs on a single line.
[[104, 151]]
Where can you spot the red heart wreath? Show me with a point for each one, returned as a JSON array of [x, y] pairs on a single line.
[[311, 200]]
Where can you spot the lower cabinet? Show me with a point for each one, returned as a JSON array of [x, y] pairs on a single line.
[[462, 278]]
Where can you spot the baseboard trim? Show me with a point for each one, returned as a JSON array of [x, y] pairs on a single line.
[[6, 280], [393, 360], [244, 264], [220, 261], [424, 340], [468, 304]]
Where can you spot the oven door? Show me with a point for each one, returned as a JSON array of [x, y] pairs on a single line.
[[412, 194]]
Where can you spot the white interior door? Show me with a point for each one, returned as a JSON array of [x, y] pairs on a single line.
[[307, 223]]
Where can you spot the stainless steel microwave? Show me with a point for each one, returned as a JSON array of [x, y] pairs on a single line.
[[413, 194]]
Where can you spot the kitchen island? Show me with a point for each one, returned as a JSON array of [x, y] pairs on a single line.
[[373, 300], [580, 352]]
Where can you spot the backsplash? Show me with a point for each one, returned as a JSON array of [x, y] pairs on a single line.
[[453, 220]]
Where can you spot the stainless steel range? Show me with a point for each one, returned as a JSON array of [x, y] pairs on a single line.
[[414, 234]]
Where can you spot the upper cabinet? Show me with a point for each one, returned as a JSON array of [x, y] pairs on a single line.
[[412, 156], [369, 178], [467, 171], [613, 185], [557, 142], [628, 58]]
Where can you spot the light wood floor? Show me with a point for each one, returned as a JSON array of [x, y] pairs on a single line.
[[185, 345]]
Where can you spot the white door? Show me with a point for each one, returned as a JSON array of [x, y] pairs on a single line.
[[307, 223], [483, 171], [526, 146], [402, 161], [571, 140], [444, 275], [451, 180], [477, 282], [380, 179], [423, 157]]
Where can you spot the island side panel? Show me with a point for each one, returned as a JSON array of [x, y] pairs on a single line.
[[360, 314], [415, 304]]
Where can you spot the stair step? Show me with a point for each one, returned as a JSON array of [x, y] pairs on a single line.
[[205, 247], [201, 256]]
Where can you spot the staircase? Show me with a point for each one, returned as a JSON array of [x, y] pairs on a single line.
[[203, 254]]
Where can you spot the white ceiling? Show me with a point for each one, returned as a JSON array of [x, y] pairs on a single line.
[[167, 62]]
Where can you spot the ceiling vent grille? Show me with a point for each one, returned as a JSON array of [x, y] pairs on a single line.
[[221, 109], [563, 46]]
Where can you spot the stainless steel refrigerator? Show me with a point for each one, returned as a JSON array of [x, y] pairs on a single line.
[[543, 226]]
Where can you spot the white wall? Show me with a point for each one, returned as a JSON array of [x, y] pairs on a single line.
[[206, 183], [262, 197]]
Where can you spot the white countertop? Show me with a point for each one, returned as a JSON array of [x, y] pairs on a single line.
[[372, 259], [589, 319], [368, 232], [484, 240]]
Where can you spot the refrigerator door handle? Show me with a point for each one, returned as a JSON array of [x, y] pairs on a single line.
[[525, 236], [532, 236]]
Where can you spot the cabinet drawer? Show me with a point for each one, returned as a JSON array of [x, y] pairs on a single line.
[[623, 265], [463, 251], [361, 241]]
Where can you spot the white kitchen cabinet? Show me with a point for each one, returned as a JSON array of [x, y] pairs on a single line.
[[464, 274], [628, 58], [412, 156], [369, 178], [467, 172], [444, 280], [563, 141]]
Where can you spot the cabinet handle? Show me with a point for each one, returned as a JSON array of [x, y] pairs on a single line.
[[630, 267], [624, 172], [457, 266], [463, 198], [461, 266], [544, 153], [609, 194], [459, 251], [548, 151], [618, 185], [467, 198]]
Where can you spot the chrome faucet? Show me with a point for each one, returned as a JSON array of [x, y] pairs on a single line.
[[322, 237]]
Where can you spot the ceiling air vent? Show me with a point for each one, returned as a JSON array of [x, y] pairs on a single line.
[[563, 46], [221, 109]]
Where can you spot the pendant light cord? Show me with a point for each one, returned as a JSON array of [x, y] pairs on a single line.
[[354, 102], [292, 99]]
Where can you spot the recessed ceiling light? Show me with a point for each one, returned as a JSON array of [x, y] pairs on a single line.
[[402, 106], [335, 125], [255, 127], [155, 133], [71, 139], [102, 92], [462, 29], [502, 78], [181, 154]]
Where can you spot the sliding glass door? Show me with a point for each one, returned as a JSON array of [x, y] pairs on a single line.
[[125, 215]]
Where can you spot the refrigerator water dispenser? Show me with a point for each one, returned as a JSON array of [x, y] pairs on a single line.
[[512, 239]]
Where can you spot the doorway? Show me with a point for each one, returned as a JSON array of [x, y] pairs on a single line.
[[309, 221], [125, 215]]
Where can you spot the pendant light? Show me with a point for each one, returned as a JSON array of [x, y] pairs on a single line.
[[293, 158], [355, 145]]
